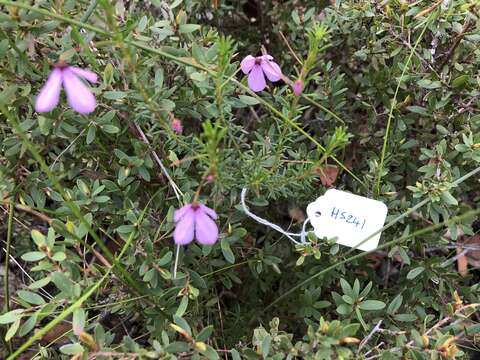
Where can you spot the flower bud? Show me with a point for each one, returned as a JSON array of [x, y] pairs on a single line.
[[177, 126], [210, 178], [297, 87]]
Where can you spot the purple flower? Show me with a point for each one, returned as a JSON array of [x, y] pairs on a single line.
[[297, 87], [257, 67], [79, 96], [177, 126], [195, 220]]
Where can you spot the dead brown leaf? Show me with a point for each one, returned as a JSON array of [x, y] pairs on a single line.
[[57, 334], [328, 174], [471, 257]]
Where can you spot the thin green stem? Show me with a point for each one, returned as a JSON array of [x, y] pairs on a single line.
[[393, 106], [323, 108], [6, 284], [229, 267], [11, 210]]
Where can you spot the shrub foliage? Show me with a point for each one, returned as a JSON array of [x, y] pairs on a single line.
[[389, 110]]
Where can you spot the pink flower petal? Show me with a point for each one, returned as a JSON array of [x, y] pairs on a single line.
[[206, 231], [183, 233], [256, 80], [181, 212], [85, 73], [79, 96], [208, 211], [271, 70], [49, 95], [247, 64]]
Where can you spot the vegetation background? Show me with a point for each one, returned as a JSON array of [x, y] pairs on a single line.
[[389, 110]]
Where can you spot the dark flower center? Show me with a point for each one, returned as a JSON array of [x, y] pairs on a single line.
[[195, 206], [258, 61], [62, 64]]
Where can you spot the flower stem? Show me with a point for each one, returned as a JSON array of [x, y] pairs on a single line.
[[6, 284]]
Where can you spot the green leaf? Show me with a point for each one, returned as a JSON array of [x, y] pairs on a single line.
[[347, 299], [28, 325], [360, 318], [165, 259], [405, 317], [159, 78], [198, 76], [210, 353], [72, 349], [356, 288], [267, 340], [12, 330], [39, 283], [429, 84], [346, 288], [344, 309], [395, 304], [110, 129], [412, 274], [101, 199], [11, 316], [371, 305], [38, 238], [59, 256], [177, 346], [418, 110], [300, 261], [33, 256], [235, 355], [474, 329], [114, 95], [182, 307], [63, 283], [166, 105], [182, 323], [188, 28], [91, 134], [248, 100], [417, 338], [227, 252], [31, 297], [460, 81], [205, 333], [366, 290], [125, 229], [78, 323], [175, 3], [349, 330], [448, 198], [295, 17], [83, 187]]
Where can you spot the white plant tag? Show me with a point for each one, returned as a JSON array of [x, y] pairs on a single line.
[[349, 218]]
